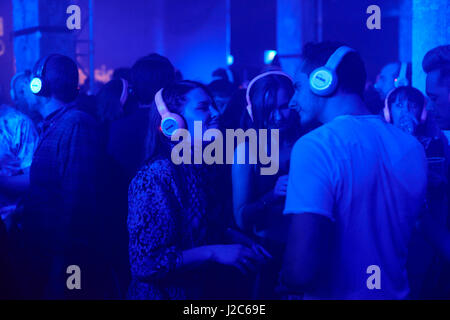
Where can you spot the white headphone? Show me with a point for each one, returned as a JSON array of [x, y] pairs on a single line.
[[170, 122], [12, 91], [402, 80], [323, 81], [247, 95]]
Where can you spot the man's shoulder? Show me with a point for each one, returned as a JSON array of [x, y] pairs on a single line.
[[318, 136], [11, 113], [76, 116], [6, 111], [158, 171]]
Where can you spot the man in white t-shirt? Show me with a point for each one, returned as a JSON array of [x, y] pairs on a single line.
[[356, 185], [436, 64]]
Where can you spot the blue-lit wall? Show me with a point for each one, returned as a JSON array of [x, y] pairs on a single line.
[[192, 34], [6, 49], [345, 20]]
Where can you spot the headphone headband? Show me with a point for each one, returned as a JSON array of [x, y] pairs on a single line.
[[386, 112], [262, 75], [337, 56], [124, 95], [41, 67], [323, 81], [160, 104]]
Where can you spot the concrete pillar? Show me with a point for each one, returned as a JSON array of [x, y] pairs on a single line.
[[158, 10], [296, 25], [40, 29], [405, 31], [430, 28]]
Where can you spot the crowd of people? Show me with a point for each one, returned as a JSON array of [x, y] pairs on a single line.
[[357, 210]]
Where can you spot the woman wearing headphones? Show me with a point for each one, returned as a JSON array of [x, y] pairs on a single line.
[[258, 200], [111, 104], [405, 108], [172, 217]]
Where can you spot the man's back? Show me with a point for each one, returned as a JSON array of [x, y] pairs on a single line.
[[62, 216], [369, 178], [64, 173], [127, 141]]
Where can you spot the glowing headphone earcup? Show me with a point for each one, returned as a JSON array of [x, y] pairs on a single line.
[[387, 114], [12, 91], [323, 81], [170, 123], [36, 85], [124, 94]]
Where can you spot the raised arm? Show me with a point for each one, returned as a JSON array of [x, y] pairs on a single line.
[[309, 202], [248, 209]]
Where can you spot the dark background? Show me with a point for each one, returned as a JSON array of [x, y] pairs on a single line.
[[193, 34]]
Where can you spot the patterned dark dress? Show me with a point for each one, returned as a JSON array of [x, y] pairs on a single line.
[[168, 213]]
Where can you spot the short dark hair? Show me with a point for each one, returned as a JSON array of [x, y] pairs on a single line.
[[149, 74], [222, 88], [410, 94], [18, 78], [121, 73], [438, 59], [351, 71], [408, 74], [61, 75], [108, 101]]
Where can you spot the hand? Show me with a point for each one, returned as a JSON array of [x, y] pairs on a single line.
[[236, 255], [281, 186], [261, 251]]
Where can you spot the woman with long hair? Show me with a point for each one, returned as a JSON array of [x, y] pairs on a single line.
[[173, 221], [110, 104], [258, 200], [405, 108]]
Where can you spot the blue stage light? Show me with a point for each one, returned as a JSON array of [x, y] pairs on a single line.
[[230, 60], [36, 85], [269, 55]]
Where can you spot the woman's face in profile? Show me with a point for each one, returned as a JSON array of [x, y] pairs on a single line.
[[281, 116], [200, 107]]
